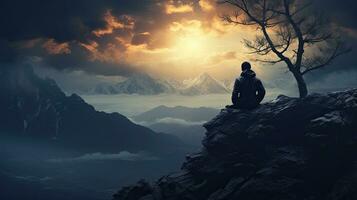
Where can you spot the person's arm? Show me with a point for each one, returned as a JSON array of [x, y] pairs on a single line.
[[261, 91], [235, 92]]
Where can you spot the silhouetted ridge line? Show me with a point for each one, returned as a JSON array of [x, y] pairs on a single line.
[[37, 108]]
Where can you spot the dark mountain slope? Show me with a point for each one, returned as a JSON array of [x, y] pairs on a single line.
[[285, 149], [33, 107]]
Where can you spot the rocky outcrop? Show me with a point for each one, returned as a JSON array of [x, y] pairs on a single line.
[[288, 148]]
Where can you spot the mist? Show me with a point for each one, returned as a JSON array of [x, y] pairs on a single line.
[[55, 173]]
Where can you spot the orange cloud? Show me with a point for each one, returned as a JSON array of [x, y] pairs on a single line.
[[111, 53], [205, 5], [141, 38], [220, 57], [187, 43], [188, 26], [171, 9], [92, 47], [52, 47], [113, 23]]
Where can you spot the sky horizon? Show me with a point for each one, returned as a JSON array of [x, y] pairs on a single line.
[[172, 39]]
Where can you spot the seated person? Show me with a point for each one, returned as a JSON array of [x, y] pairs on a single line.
[[248, 90]]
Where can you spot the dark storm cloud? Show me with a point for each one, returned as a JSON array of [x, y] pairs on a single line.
[[73, 23], [80, 59], [62, 20], [342, 71], [7, 54], [68, 21], [342, 12]]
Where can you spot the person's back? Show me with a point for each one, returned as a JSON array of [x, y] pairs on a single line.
[[248, 90]]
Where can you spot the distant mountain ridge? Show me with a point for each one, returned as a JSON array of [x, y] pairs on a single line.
[[144, 84], [204, 84], [37, 108]]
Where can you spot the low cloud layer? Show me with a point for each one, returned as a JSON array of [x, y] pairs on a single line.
[[170, 120], [123, 155]]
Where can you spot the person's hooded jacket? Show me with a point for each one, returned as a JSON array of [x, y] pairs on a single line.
[[248, 90]]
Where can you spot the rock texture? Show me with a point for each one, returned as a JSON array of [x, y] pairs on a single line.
[[288, 148]]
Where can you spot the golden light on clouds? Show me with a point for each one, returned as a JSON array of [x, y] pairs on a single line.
[[194, 49], [52, 47], [190, 39], [171, 9], [109, 54], [92, 47], [112, 23], [219, 57], [183, 46], [206, 5]]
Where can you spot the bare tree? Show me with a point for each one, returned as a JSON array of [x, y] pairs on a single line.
[[292, 31]]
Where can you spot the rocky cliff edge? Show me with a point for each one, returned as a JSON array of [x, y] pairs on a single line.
[[288, 148]]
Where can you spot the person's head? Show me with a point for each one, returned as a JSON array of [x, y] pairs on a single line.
[[246, 66]]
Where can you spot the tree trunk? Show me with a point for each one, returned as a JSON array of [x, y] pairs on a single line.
[[301, 84]]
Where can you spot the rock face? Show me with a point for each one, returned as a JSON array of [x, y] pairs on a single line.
[[37, 108], [288, 148]]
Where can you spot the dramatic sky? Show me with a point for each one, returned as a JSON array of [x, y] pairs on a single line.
[[175, 39]]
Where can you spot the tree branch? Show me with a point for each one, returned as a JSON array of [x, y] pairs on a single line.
[[338, 51], [297, 30], [270, 61]]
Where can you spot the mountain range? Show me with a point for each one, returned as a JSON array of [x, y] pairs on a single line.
[[204, 84], [144, 84], [37, 108]]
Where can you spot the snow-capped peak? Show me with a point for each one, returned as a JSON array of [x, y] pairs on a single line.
[[204, 84]]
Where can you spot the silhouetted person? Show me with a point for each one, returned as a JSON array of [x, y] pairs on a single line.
[[248, 90]]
